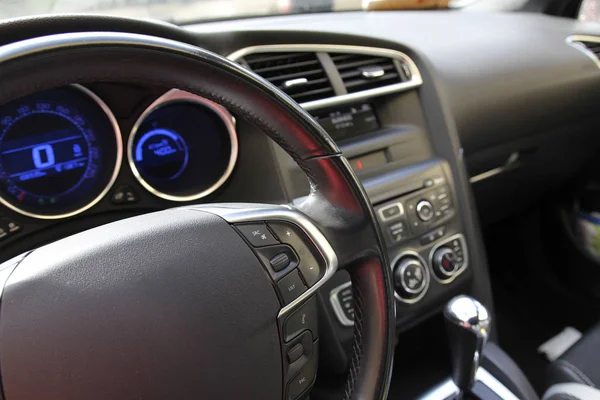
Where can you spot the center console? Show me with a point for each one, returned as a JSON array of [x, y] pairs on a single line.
[[386, 116], [414, 195]]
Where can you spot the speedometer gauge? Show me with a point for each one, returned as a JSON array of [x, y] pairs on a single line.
[[60, 151], [183, 147]]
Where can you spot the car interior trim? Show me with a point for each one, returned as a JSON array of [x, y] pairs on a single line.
[[576, 42], [447, 389], [113, 177], [465, 264], [284, 213], [337, 307], [427, 276], [176, 96], [511, 162], [414, 81]]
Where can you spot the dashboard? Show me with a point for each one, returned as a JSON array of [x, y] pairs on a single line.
[[446, 129], [61, 151]]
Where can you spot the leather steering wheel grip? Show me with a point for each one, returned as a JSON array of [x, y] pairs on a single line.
[[338, 204]]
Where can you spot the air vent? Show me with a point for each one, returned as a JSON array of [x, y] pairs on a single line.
[[363, 72], [304, 72], [300, 75]]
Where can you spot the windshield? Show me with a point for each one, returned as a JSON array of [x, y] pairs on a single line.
[[188, 11], [178, 11]]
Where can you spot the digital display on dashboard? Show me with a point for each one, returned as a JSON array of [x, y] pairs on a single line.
[[349, 122], [58, 151], [180, 149]]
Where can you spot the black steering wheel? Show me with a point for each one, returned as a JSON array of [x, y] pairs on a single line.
[[188, 303]]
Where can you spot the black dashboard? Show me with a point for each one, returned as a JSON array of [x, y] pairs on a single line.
[[429, 108]]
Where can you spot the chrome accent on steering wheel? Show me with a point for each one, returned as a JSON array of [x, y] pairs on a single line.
[[233, 214]]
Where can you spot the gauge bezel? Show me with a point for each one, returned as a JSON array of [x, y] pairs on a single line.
[[118, 160], [175, 96]]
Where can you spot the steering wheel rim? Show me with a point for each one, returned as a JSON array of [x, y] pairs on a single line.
[[337, 204]]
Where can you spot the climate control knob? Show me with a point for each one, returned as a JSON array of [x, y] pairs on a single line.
[[445, 263], [410, 278]]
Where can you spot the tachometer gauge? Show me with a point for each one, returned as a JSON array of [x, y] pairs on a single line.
[[60, 151], [183, 147]]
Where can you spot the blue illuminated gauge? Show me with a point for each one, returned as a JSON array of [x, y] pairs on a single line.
[[161, 154], [60, 151], [183, 147]]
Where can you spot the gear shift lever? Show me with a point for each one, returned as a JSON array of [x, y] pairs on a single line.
[[468, 325]]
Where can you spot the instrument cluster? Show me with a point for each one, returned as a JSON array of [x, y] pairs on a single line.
[[61, 150]]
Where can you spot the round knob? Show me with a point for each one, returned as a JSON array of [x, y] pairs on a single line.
[[445, 263], [410, 277], [425, 210]]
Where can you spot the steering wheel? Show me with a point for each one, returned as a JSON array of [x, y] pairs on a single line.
[[189, 302]]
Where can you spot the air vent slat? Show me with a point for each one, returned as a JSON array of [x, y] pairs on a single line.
[[319, 81], [300, 75], [296, 75], [354, 64], [363, 72], [364, 84], [284, 67], [356, 72], [270, 57]]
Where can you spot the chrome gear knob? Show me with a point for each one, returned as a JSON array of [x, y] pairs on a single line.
[[468, 325]]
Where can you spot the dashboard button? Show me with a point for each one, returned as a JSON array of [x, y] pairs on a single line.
[[410, 277], [303, 380], [433, 236], [391, 211], [3, 230], [257, 234], [279, 261], [311, 272], [124, 195], [425, 210], [311, 264], [445, 262], [291, 287], [304, 318], [397, 232], [295, 353], [12, 225]]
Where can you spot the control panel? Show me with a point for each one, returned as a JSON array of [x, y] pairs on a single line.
[[295, 265], [417, 214]]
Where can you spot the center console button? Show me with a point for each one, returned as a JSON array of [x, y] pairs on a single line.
[[425, 210], [410, 277], [449, 259], [291, 287], [303, 318], [391, 211], [445, 261]]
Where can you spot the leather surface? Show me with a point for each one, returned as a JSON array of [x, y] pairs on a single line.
[[571, 391], [580, 363], [338, 204], [137, 309]]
